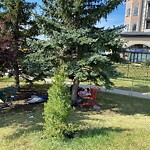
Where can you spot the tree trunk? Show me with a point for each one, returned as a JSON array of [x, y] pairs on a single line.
[[16, 75], [16, 50], [75, 89]]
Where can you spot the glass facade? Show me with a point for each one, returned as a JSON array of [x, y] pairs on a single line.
[[138, 57], [138, 53]]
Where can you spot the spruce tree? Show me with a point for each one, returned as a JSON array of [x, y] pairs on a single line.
[[39, 63], [72, 36], [57, 110]]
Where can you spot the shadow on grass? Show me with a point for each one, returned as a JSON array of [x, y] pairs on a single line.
[[142, 88], [25, 119], [29, 117], [136, 88], [25, 131], [22, 115], [122, 104], [36, 87], [100, 131]]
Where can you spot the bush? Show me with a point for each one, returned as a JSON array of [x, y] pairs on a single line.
[[115, 57], [147, 63], [57, 110]]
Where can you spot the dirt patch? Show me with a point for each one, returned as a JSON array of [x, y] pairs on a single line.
[[20, 104]]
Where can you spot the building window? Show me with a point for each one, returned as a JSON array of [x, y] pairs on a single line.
[[148, 12], [148, 25], [127, 27], [149, 6], [128, 12], [134, 27], [135, 13]]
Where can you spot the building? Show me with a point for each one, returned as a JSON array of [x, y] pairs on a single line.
[[137, 16], [137, 30]]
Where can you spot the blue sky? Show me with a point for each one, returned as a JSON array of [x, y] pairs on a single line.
[[114, 19]]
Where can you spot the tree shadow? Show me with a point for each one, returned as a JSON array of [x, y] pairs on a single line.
[[87, 130], [37, 87], [21, 131], [125, 105], [136, 88], [141, 88], [27, 118], [22, 115], [100, 131]]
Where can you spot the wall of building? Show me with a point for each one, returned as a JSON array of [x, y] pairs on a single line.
[[132, 18], [137, 42], [129, 41], [140, 18], [147, 16]]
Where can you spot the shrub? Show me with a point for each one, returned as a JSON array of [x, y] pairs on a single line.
[[147, 63], [57, 110], [115, 57]]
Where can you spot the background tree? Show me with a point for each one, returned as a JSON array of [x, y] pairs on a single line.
[[38, 63], [19, 23], [5, 41], [70, 27]]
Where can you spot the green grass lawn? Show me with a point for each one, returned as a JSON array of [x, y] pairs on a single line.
[[134, 85], [6, 81], [122, 124], [38, 85]]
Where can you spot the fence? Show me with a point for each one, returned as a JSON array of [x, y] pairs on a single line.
[[135, 81], [136, 72]]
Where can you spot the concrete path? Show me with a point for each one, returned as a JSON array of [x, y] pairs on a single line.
[[117, 91], [129, 93]]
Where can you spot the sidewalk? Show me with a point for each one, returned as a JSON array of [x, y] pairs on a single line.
[[129, 93], [117, 91], [122, 92]]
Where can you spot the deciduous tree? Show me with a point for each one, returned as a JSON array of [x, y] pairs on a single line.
[[20, 25]]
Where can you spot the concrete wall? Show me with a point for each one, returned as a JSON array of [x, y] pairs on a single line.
[[129, 41]]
